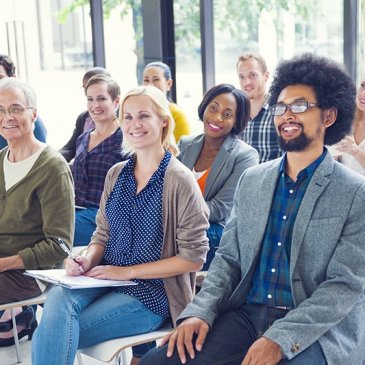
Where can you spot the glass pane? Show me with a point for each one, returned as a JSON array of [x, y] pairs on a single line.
[[361, 42], [123, 37], [276, 30], [188, 60], [51, 56]]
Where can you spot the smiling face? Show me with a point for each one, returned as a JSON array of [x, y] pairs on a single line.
[[252, 78], [17, 126], [100, 105], [220, 116], [154, 76], [360, 98], [142, 125], [298, 132]]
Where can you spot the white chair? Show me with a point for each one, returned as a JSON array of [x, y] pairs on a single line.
[[114, 350], [40, 299]]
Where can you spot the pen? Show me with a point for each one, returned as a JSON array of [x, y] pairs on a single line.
[[64, 247]]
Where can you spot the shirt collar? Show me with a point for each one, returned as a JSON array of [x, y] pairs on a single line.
[[309, 170]]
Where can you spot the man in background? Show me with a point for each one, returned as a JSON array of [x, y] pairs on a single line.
[[7, 69], [260, 132]]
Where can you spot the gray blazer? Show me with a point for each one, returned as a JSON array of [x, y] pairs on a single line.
[[234, 157], [327, 263]]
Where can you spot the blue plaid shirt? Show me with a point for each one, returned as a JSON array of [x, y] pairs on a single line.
[[260, 133], [271, 280], [89, 168]]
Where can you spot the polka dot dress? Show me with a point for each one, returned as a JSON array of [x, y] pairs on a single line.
[[136, 231]]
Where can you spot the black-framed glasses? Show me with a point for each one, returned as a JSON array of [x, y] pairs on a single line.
[[13, 110], [296, 107]]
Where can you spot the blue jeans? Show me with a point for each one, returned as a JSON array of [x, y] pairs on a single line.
[[214, 234], [84, 225], [231, 336], [79, 318]]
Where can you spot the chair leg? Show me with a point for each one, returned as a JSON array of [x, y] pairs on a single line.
[[16, 339], [121, 359], [79, 358]]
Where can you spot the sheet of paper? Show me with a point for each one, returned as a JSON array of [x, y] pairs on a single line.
[[59, 277]]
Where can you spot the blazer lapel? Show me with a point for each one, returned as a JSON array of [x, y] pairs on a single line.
[[193, 149], [218, 164], [263, 205], [317, 185]]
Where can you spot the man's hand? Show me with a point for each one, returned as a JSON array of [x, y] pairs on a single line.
[[183, 335], [11, 263], [263, 352]]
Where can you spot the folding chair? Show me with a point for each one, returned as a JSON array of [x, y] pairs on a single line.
[[40, 299], [114, 350]]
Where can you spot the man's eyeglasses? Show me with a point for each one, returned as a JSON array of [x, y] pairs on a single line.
[[13, 110], [296, 107]]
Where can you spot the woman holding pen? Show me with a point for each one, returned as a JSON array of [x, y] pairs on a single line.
[[151, 228]]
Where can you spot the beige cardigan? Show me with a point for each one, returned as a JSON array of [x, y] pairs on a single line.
[[185, 221]]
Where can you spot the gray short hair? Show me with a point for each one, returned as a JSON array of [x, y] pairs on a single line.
[[9, 83]]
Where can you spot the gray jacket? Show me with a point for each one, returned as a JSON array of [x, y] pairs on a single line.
[[234, 157], [327, 262]]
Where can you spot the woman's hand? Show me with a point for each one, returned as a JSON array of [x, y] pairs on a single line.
[[79, 267], [110, 272], [348, 145]]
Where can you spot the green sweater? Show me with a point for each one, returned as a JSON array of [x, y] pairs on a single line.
[[36, 211]]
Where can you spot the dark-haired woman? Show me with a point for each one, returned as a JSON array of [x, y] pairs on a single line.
[[217, 157]]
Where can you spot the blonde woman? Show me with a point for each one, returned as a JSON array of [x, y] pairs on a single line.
[[351, 150], [151, 228]]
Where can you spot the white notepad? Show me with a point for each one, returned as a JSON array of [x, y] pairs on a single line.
[[59, 277]]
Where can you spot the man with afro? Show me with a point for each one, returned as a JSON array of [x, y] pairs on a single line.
[[287, 282]]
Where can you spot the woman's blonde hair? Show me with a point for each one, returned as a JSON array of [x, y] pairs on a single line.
[[162, 105]]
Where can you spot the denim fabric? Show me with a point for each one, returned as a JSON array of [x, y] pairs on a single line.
[[79, 318], [214, 234], [84, 225], [232, 335]]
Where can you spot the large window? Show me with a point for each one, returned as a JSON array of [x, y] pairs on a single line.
[[123, 37], [361, 41], [188, 59], [276, 30], [51, 44], [51, 54]]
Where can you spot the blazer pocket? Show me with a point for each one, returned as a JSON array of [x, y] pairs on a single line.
[[320, 241]]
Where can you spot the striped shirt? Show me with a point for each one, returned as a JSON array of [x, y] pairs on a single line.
[[260, 133], [271, 280]]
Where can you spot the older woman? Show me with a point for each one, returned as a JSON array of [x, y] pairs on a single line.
[[150, 229], [97, 150], [36, 208], [217, 157], [351, 150], [158, 74]]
